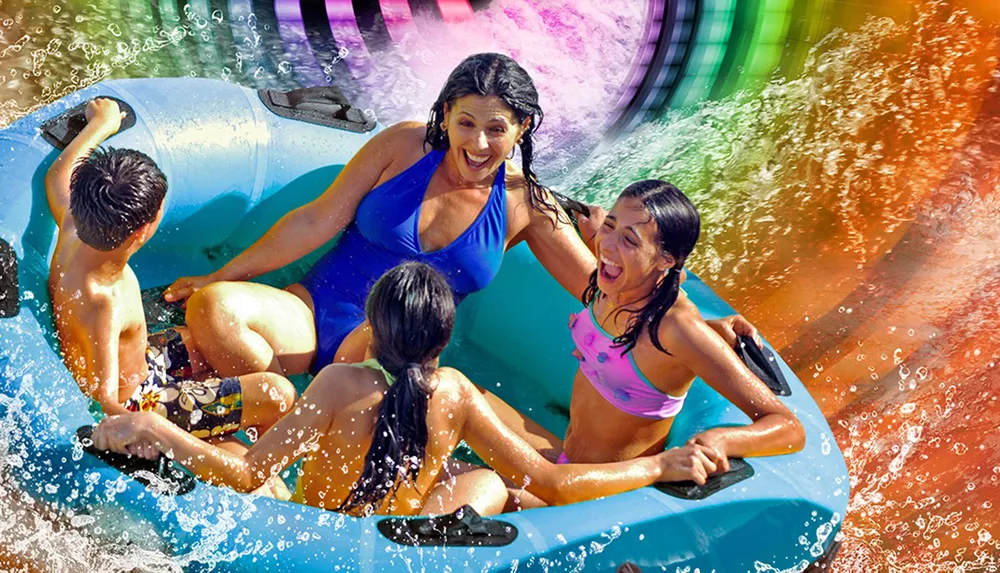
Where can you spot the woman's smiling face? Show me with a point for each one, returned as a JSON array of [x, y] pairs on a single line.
[[628, 250], [482, 132]]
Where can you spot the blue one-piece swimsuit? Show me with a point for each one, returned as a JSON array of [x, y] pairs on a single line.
[[383, 235]]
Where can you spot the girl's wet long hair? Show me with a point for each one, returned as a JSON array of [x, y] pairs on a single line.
[[411, 310], [678, 225], [498, 75]]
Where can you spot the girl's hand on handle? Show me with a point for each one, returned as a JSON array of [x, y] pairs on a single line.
[[690, 462], [714, 446]]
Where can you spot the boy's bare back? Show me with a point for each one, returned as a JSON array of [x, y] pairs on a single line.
[[85, 303], [95, 295]]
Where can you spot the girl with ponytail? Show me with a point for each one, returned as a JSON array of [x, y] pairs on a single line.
[[377, 435], [641, 342]]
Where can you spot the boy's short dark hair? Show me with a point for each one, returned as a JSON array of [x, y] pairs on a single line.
[[113, 193]]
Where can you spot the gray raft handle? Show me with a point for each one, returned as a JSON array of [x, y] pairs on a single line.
[[10, 300], [739, 470], [763, 364], [177, 482], [61, 129], [326, 106], [463, 528]]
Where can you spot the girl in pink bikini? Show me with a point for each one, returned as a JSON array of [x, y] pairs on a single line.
[[641, 343]]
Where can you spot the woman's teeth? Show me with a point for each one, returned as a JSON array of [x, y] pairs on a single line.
[[476, 161]]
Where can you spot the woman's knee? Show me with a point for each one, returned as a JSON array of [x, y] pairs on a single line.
[[213, 308]]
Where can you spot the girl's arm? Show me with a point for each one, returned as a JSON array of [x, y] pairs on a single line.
[[773, 429], [558, 484], [292, 437], [559, 248]]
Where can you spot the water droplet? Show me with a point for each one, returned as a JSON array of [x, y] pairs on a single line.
[[82, 520], [115, 30]]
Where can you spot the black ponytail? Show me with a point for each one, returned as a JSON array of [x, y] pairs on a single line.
[[678, 226], [412, 311], [496, 74]]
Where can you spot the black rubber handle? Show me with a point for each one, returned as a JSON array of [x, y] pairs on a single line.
[[177, 482], [60, 130], [762, 363], [322, 105], [10, 299], [739, 470], [463, 528]]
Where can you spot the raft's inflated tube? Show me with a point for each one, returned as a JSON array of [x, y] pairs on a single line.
[[233, 168]]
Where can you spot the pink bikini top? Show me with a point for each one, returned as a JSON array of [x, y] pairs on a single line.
[[616, 377]]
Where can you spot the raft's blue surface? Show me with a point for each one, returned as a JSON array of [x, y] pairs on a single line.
[[233, 168]]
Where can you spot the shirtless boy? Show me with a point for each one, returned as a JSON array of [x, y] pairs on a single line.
[[107, 204]]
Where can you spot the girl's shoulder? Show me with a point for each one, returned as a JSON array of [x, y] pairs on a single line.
[[683, 326]]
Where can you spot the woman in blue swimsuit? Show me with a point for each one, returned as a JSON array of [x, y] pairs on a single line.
[[441, 193]]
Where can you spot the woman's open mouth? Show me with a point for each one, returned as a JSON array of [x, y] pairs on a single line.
[[475, 162]]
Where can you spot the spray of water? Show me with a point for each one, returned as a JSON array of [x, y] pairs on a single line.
[[850, 213]]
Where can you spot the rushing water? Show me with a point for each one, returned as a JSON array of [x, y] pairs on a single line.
[[850, 212]]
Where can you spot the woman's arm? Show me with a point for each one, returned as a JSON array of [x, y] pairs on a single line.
[[292, 437], [310, 226], [774, 429], [558, 484], [559, 248]]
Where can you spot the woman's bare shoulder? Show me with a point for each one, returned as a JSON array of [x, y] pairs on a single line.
[[408, 133]]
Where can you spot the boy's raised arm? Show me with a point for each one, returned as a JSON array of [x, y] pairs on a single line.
[[103, 120]]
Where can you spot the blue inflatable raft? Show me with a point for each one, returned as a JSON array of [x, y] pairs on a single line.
[[236, 160]]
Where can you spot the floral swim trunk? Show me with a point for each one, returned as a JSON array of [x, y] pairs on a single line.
[[205, 408]]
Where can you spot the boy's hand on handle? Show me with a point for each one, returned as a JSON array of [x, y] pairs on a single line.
[[122, 434], [184, 287], [106, 113], [143, 449], [690, 462]]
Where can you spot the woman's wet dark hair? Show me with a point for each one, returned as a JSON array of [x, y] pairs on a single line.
[[113, 193], [492, 74], [678, 225], [411, 310]]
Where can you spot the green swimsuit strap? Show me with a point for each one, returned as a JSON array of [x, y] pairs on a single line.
[[375, 365]]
